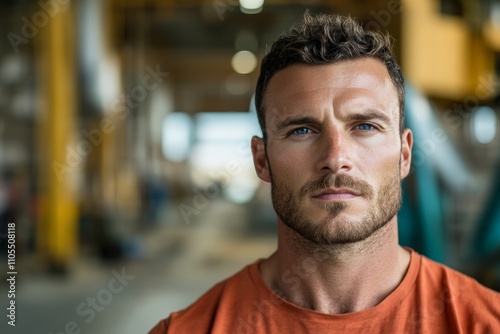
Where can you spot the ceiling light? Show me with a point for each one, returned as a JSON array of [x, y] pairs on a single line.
[[251, 6], [244, 62]]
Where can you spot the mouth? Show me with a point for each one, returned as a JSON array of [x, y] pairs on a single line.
[[336, 194]]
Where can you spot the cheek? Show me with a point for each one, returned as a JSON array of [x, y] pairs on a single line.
[[288, 164], [379, 160]]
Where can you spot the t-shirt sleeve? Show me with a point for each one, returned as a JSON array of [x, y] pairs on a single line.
[[161, 327]]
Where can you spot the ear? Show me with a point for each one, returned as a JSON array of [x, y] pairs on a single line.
[[260, 159], [406, 145]]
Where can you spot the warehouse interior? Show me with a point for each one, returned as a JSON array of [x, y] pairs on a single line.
[[125, 131]]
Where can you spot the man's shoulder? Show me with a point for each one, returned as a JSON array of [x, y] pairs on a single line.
[[459, 295], [218, 302], [443, 276]]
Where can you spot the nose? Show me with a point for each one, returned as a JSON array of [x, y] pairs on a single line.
[[334, 152]]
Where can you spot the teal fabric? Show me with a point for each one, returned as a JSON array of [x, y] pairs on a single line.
[[421, 223], [486, 241], [422, 216]]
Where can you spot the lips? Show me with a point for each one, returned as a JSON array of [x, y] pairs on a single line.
[[336, 194]]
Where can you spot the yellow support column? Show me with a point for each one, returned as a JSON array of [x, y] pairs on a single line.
[[59, 172]]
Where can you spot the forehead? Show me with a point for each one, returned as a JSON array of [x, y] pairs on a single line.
[[364, 80]]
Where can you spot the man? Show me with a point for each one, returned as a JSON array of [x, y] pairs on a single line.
[[330, 102]]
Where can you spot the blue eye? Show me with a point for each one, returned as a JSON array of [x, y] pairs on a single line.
[[365, 127], [301, 131]]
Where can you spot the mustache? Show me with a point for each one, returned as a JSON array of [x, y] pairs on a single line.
[[337, 181]]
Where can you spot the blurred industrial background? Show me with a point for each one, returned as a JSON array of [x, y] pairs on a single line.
[[124, 147]]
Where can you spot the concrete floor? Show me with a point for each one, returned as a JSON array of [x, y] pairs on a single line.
[[167, 278]]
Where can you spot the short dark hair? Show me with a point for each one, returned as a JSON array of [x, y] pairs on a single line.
[[324, 39]]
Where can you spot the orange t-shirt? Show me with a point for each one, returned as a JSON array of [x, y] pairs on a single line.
[[431, 298]]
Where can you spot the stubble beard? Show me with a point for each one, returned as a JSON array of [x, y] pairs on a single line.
[[333, 229]]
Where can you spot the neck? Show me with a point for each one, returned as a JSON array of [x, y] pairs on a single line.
[[336, 279]]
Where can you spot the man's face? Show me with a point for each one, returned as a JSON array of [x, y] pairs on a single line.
[[334, 153]]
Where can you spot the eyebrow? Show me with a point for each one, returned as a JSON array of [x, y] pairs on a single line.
[[292, 120], [369, 115]]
